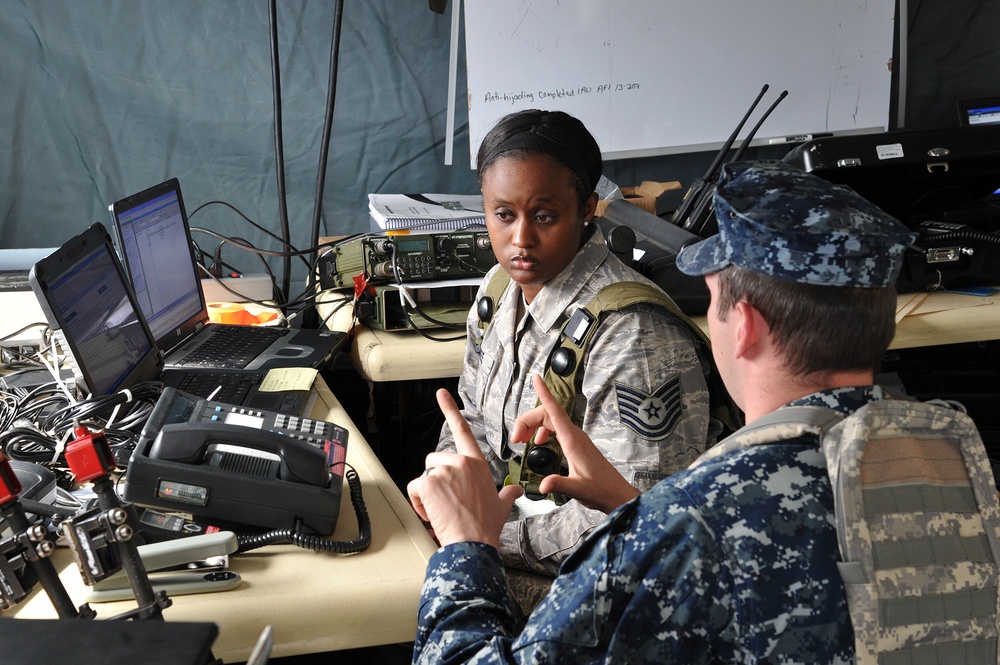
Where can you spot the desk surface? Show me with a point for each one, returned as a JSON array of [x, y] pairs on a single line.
[[315, 601], [924, 319], [933, 319]]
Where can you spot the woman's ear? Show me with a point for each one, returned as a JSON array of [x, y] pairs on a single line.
[[590, 208]]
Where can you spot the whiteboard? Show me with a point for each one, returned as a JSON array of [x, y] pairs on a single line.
[[654, 77]]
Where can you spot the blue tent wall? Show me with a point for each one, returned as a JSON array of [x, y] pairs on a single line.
[[104, 98]]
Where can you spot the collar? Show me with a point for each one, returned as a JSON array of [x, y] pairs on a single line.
[[846, 400], [763, 430], [548, 306]]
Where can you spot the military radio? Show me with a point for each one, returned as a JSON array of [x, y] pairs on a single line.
[[392, 259]]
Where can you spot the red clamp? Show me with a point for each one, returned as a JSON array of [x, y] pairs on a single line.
[[10, 486], [89, 455], [361, 286]]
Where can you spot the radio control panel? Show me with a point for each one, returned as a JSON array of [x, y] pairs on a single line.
[[391, 259]]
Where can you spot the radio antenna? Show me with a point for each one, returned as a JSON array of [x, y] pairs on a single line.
[[694, 193], [746, 142], [699, 216]]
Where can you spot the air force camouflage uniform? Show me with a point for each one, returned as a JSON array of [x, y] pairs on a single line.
[[734, 559], [643, 397]]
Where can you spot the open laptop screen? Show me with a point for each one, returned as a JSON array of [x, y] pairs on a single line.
[[154, 243], [84, 293]]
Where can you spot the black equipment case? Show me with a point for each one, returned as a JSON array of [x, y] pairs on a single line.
[[627, 228], [945, 184]]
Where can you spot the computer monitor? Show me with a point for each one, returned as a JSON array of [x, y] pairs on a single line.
[[978, 112]]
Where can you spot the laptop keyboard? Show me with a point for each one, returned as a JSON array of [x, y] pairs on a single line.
[[231, 346], [232, 387]]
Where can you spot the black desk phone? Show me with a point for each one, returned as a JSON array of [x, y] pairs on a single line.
[[238, 465]]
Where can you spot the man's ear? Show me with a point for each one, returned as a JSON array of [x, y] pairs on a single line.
[[751, 330]]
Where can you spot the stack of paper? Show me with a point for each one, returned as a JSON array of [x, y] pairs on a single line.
[[426, 211]]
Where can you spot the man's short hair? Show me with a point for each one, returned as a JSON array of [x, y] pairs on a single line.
[[818, 329]]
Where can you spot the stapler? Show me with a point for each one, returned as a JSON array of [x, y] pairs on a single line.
[[195, 564]]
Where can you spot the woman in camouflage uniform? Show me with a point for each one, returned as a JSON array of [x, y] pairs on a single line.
[[641, 390]]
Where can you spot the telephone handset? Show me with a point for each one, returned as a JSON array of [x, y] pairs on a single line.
[[211, 443]]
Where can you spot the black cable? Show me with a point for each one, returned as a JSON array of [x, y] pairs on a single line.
[[239, 212], [280, 300], [45, 509], [44, 419], [295, 536], [290, 250], [331, 98], [306, 296], [333, 311], [406, 313], [27, 445], [962, 234], [17, 333], [443, 324], [428, 336], [279, 149]]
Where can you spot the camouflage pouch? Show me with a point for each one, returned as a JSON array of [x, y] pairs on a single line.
[[919, 527]]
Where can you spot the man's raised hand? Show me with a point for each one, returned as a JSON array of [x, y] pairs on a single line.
[[457, 493]]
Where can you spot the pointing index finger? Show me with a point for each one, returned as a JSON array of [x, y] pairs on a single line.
[[465, 440]]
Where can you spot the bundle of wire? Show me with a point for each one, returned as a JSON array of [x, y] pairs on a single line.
[[36, 424]]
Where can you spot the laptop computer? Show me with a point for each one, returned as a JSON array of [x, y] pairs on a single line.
[[154, 241], [86, 298]]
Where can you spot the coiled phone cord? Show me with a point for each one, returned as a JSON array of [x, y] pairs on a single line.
[[294, 536]]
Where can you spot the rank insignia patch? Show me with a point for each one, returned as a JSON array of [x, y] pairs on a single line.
[[653, 416]]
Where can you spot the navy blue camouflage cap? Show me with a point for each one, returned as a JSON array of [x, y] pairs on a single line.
[[778, 220]]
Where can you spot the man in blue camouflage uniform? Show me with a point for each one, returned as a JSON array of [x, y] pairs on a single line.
[[734, 559]]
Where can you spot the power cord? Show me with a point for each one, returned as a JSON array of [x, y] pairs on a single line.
[[43, 419], [279, 149], [418, 310], [331, 98]]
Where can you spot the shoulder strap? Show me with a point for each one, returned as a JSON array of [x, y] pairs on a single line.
[[494, 288], [564, 365], [788, 422], [577, 332], [580, 329]]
